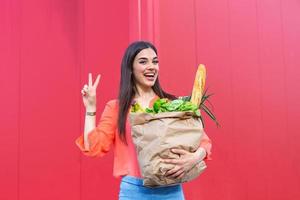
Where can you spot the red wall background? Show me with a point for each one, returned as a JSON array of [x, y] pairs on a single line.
[[251, 49]]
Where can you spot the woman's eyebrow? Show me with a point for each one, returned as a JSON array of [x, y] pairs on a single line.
[[144, 58]]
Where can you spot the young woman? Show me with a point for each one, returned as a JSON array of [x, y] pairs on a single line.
[[139, 83]]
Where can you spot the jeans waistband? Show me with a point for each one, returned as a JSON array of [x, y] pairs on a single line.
[[139, 181], [133, 180]]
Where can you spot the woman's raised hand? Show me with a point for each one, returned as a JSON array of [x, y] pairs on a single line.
[[89, 93]]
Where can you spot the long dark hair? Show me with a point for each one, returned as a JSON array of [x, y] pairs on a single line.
[[128, 88]]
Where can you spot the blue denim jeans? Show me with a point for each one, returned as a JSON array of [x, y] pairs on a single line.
[[131, 188]]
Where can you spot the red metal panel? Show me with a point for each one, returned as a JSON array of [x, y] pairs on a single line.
[[177, 46], [9, 87], [213, 49], [250, 48], [106, 36], [146, 16], [49, 97], [273, 100], [246, 132], [134, 20], [290, 19]]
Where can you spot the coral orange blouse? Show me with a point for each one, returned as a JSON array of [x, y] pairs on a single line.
[[106, 133]]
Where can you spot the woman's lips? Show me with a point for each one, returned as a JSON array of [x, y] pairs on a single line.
[[150, 78]]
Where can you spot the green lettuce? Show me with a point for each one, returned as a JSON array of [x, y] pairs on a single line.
[[178, 105], [165, 105]]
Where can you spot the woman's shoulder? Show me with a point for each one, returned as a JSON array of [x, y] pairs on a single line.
[[112, 102], [111, 108]]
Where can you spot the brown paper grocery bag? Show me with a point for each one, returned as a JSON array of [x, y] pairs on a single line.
[[155, 134]]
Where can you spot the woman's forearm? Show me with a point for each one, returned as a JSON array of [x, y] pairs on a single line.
[[89, 125]]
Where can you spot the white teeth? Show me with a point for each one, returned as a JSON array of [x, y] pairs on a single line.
[[149, 74]]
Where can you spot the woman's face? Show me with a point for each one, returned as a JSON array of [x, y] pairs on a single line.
[[145, 68]]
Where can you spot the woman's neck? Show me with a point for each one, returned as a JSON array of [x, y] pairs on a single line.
[[144, 93]]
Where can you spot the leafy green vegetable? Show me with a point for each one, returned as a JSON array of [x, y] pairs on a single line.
[[174, 105], [204, 107], [159, 104], [165, 105], [149, 110], [187, 105], [178, 105], [137, 108]]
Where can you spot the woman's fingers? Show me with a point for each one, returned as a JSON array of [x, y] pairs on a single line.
[[178, 173], [171, 161], [90, 89], [97, 81], [173, 170], [85, 90], [174, 173], [179, 151], [180, 176]]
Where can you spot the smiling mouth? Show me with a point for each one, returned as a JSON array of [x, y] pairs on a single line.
[[150, 76]]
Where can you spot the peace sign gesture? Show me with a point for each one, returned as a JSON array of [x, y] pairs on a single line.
[[89, 93]]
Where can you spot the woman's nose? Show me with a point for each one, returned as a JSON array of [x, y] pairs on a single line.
[[151, 66]]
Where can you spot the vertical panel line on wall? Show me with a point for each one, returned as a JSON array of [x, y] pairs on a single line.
[[230, 66], [18, 8], [284, 68], [149, 23], [80, 65], [260, 72], [139, 19], [153, 23], [259, 62], [196, 32], [156, 23]]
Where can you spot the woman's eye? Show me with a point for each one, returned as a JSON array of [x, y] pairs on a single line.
[[155, 62], [142, 62]]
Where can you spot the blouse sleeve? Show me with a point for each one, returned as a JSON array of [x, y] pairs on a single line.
[[103, 135], [207, 145]]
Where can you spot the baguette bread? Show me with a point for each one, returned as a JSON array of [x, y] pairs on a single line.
[[199, 84]]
